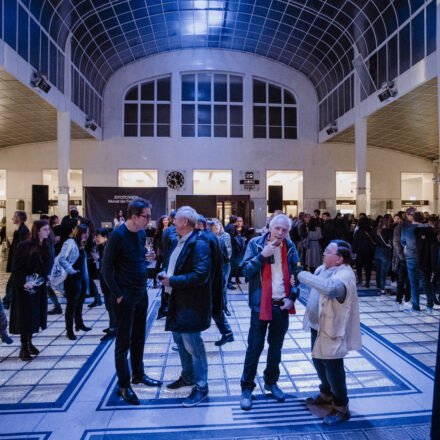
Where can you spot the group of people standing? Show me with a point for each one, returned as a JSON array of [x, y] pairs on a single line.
[[195, 264]]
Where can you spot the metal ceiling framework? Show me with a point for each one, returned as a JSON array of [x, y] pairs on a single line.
[[315, 37]]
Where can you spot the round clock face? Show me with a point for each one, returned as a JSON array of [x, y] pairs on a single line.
[[175, 179]]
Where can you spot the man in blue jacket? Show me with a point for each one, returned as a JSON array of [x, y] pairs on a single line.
[[187, 281], [269, 263]]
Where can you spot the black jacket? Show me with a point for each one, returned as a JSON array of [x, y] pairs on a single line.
[[189, 309], [427, 250], [216, 277], [167, 238], [28, 311], [363, 243], [20, 235]]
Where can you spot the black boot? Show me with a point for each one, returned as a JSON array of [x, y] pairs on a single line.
[[32, 349], [57, 310], [70, 335], [24, 350]]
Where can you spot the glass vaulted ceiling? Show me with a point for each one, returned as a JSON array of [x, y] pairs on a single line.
[[313, 36]]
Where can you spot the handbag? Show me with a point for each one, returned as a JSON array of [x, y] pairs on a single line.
[[57, 274], [306, 243]]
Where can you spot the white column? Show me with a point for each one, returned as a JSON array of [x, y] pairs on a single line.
[[63, 136], [360, 134]]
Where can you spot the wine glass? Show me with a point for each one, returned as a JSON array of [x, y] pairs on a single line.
[[34, 280], [149, 246]]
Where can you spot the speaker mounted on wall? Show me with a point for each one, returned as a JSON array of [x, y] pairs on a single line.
[[40, 199]]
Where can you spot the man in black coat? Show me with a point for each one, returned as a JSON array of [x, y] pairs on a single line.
[[216, 277], [20, 235], [187, 280]]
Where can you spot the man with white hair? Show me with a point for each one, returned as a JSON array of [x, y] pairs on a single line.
[[268, 264], [186, 279]]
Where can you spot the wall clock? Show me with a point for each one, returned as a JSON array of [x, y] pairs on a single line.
[[175, 179]]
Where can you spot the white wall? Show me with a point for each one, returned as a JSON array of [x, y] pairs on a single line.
[[100, 160]]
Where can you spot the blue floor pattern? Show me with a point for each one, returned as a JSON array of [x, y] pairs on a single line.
[[390, 383]]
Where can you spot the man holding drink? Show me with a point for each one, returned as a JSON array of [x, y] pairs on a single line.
[[124, 270]]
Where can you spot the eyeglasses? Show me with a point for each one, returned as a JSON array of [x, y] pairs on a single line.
[[327, 254], [148, 217]]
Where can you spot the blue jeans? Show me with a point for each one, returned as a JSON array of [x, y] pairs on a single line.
[[3, 321], [226, 270], [419, 283], [382, 258], [331, 373], [257, 333], [193, 358]]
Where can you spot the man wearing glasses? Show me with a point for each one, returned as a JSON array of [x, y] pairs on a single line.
[[124, 269], [332, 315]]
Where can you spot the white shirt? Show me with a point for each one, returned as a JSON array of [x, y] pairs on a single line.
[[174, 256], [278, 291]]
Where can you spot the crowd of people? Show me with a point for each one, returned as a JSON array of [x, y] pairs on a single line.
[[196, 261], [403, 248]]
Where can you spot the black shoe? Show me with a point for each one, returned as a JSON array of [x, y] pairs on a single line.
[[83, 328], [436, 301], [24, 355], [71, 336], [246, 399], [146, 381], [129, 396], [227, 312], [106, 330], [229, 337], [32, 349], [231, 287], [6, 306], [108, 336], [276, 392], [179, 383], [95, 304], [174, 348], [196, 396], [55, 311]]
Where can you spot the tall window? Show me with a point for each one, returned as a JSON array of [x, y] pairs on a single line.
[[212, 105], [147, 109], [275, 115]]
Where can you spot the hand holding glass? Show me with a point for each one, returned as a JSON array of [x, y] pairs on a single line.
[[32, 281]]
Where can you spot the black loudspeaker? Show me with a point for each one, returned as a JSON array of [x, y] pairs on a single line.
[[40, 199], [275, 198]]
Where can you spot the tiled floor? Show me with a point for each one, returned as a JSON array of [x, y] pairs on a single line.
[[68, 391]]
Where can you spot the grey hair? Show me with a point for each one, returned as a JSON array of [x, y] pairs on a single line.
[[189, 213], [280, 218], [219, 230]]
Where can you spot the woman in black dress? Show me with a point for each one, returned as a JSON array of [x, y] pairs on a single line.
[[29, 304]]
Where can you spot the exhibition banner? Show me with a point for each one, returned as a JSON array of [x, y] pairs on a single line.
[[102, 203]]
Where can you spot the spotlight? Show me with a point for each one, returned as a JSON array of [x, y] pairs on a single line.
[[332, 128], [90, 123], [389, 90], [40, 81]]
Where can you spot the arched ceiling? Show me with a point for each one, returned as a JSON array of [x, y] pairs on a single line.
[[313, 36]]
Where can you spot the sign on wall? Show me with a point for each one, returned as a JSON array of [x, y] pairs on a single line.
[[250, 180], [102, 203]]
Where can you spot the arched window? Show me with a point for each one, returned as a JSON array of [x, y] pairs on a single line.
[[212, 105], [147, 109], [275, 111]]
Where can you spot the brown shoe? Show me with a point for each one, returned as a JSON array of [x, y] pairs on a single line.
[[319, 400]]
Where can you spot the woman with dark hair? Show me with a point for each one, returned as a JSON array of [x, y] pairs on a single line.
[[312, 245], [29, 302], [384, 250], [73, 259], [119, 218], [161, 226], [91, 267], [363, 248]]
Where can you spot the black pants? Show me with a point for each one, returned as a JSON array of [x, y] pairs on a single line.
[[109, 303], [403, 286], [53, 297], [332, 376], [131, 315], [364, 261], [75, 292], [276, 330]]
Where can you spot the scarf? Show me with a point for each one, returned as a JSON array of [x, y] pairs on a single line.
[[266, 286]]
